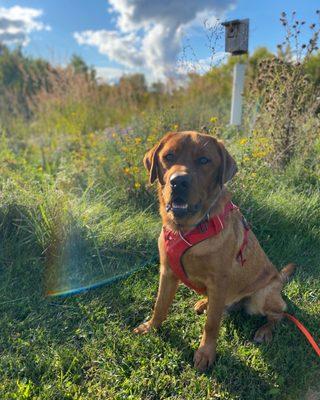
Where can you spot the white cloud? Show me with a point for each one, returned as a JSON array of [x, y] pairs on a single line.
[[150, 32], [110, 74], [118, 47], [16, 24]]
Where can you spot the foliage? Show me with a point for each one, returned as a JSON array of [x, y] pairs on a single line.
[[286, 99]]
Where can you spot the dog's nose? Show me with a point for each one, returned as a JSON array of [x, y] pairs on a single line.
[[180, 182]]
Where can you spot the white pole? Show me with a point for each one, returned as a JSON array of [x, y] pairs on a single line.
[[237, 92]]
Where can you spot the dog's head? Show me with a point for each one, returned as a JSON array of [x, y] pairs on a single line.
[[191, 169]]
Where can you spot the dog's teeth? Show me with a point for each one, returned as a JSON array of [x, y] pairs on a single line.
[[180, 206]]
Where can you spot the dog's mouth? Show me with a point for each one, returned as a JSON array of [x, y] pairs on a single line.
[[180, 207]]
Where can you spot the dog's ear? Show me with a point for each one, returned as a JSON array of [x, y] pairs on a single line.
[[150, 161], [228, 167]]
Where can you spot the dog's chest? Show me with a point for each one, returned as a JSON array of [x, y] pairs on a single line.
[[203, 258]]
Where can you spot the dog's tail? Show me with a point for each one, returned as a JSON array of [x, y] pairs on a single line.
[[287, 271]]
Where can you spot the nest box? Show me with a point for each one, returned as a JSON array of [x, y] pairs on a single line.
[[236, 36]]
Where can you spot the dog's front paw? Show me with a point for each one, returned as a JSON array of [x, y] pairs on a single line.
[[144, 328], [204, 357]]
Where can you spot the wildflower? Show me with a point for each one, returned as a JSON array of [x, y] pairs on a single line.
[[114, 135], [151, 138], [259, 154], [246, 158], [126, 170], [213, 120], [91, 136], [254, 174], [137, 185], [243, 141], [138, 140]]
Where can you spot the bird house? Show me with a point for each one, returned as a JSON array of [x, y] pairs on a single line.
[[236, 36]]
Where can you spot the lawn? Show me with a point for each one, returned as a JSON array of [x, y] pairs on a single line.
[[82, 347]]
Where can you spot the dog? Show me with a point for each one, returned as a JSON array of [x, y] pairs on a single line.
[[229, 266]]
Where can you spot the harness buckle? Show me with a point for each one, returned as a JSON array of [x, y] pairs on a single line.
[[203, 226]]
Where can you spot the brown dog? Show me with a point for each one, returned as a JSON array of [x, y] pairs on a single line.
[[192, 169]]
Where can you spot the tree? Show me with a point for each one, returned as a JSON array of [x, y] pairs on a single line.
[[312, 67], [78, 65]]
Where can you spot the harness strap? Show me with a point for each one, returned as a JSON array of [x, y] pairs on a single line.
[[177, 243], [240, 257]]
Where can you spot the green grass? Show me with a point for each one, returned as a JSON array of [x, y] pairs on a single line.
[[82, 347]]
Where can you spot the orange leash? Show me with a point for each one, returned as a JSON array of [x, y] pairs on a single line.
[[305, 331]]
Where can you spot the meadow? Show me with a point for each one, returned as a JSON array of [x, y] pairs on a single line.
[[76, 208]]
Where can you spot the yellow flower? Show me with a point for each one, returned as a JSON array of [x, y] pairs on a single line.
[[175, 127], [91, 137], [114, 135], [137, 185], [213, 120], [243, 141], [135, 169], [254, 174], [138, 140], [246, 158], [151, 138], [259, 154], [126, 170]]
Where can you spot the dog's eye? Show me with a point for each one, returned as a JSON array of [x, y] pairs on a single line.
[[203, 160], [169, 157]]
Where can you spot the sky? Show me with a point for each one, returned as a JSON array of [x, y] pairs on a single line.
[[160, 38]]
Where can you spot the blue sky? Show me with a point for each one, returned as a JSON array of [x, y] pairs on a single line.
[[137, 35]]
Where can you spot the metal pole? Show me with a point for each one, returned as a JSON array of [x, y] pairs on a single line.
[[237, 93]]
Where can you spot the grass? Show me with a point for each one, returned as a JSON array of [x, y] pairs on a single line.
[[82, 347], [75, 209]]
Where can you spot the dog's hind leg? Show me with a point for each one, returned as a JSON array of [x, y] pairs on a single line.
[[201, 306], [264, 333], [269, 302]]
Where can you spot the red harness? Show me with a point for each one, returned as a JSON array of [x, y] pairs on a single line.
[[176, 244]]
